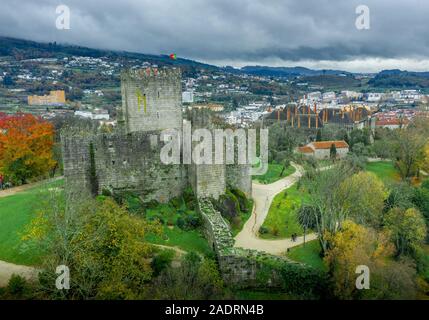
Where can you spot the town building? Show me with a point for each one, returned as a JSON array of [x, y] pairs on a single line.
[[322, 149], [55, 98]]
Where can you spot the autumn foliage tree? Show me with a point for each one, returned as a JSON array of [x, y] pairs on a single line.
[[25, 147]]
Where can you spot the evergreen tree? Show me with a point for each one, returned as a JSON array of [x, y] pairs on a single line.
[[319, 135], [333, 151]]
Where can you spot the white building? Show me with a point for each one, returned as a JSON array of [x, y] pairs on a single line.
[[322, 149], [188, 96], [96, 115], [374, 96], [328, 96]]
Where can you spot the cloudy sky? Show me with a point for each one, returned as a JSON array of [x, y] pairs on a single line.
[[312, 33]]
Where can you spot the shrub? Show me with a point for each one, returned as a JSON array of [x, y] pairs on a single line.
[[228, 205], [275, 231], [162, 261], [17, 285], [180, 222], [241, 198], [106, 192], [263, 230]]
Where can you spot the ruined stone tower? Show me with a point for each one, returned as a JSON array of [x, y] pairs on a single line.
[[151, 99]]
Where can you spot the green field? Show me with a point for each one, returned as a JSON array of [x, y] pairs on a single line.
[[186, 240], [274, 173], [281, 221], [308, 254], [16, 212], [385, 170]]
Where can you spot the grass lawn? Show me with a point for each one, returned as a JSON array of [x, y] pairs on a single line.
[[281, 220], [244, 216], [16, 212], [274, 173], [186, 240], [385, 170], [308, 254]]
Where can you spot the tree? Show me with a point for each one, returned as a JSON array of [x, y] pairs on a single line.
[[408, 151], [354, 245], [400, 196], [319, 135], [306, 218], [407, 229], [425, 165], [382, 148], [327, 211], [102, 244], [363, 196], [333, 151], [196, 278], [26, 145], [421, 201], [350, 247]]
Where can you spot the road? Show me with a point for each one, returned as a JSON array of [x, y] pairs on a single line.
[[263, 195]]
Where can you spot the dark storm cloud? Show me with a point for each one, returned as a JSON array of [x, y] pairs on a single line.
[[246, 30]]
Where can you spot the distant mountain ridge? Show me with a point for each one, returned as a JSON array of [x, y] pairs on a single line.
[[289, 71], [27, 49]]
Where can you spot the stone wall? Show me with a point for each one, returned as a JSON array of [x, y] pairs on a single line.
[[129, 159], [238, 177], [123, 163], [151, 99], [243, 268], [76, 160]]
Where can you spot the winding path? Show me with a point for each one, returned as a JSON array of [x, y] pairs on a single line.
[[263, 195], [8, 269]]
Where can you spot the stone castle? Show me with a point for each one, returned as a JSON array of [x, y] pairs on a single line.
[[128, 160]]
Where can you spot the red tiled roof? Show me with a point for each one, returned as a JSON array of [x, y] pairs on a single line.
[[305, 149], [327, 144], [386, 122]]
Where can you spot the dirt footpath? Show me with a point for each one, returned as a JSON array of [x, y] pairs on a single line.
[[263, 195], [8, 269], [14, 190]]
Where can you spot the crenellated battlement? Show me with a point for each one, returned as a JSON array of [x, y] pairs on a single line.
[[152, 73]]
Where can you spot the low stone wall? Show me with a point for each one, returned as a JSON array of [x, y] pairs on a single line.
[[243, 268]]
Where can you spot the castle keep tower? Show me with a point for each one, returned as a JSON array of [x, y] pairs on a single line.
[[151, 99]]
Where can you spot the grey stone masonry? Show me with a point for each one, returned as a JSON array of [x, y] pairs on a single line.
[[151, 99], [128, 160]]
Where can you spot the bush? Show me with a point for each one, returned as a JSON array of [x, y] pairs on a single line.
[[176, 202], [106, 192], [242, 199], [263, 230], [17, 285], [180, 223], [189, 221], [161, 261], [189, 198], [275, 231], [228, 205], [236, 222]]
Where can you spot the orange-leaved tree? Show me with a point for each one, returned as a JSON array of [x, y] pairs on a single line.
[[25, 147]]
